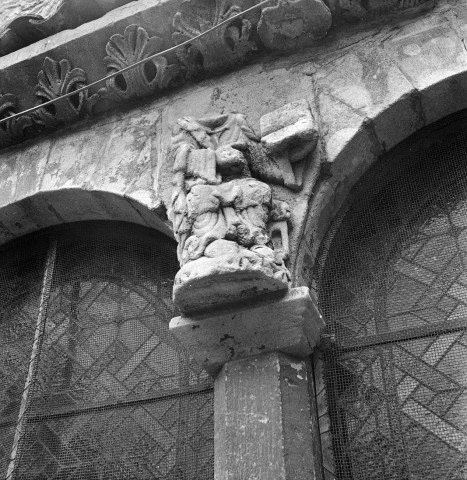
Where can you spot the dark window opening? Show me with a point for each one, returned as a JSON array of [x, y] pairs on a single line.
[[393, 290], [92, 384]]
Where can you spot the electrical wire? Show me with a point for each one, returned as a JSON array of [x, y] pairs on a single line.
[[129, 67]]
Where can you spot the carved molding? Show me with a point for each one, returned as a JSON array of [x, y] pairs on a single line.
[[38, 20], [289, 24], [232, 232]]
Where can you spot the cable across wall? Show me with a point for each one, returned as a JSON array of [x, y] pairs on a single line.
[[136, 64]]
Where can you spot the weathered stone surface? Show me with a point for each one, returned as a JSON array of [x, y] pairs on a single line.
[[99, 173], [287, 24], [263, 420], [211, 282], [140, 29], [216, 198], [289, 127], [289, 322], [289, 134]]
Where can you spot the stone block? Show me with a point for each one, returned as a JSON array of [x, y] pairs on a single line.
[[290, 323], [400, 120], [428, 52], [289, 127], [292, 23]]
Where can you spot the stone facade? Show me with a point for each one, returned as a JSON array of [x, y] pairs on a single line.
[[243, 146]]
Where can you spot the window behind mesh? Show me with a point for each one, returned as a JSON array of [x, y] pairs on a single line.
[[92, 383], [393, 290]]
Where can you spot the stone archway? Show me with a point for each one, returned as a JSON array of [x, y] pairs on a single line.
[[351, 151], [48, 208]]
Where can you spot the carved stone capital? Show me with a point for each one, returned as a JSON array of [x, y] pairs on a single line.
[[289, 322], [232, 231]]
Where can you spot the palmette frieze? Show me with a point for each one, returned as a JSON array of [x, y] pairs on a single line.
[[24, 22], [283, 25]]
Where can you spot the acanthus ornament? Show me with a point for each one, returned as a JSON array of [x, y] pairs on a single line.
[[15, 129], [232, 233], [57, 79], [124, 50], [225, 47]]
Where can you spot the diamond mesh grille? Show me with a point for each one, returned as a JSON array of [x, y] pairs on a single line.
[[110, 393], [393, 290]]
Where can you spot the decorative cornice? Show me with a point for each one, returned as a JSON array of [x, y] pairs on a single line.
[[13, 130], [42, 20], [289, 24]]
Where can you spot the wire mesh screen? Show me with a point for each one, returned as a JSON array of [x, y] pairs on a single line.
[[21, 284], [394, 293], [110, 393]]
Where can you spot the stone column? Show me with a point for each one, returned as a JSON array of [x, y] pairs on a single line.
[[240, 319], [258, 352]]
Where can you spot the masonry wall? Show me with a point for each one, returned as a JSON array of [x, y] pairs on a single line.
[[369, 86]]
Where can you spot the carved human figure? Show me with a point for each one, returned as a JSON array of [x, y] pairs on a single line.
[[215, 196]]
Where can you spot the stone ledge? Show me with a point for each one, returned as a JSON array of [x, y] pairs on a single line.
[[289, 323], [61, 63]]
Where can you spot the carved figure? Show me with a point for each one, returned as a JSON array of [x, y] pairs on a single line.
[[221, 214], [232, 234], [215, 195]]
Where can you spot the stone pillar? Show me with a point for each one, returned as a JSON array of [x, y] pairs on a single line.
[[263, 422], [258, 352]]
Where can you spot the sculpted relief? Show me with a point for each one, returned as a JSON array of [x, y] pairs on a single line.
[[209, 36], [232, 233]]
